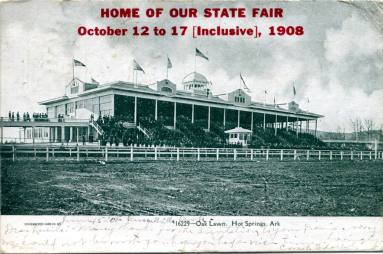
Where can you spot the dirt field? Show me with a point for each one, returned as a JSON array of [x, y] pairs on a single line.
[[338, 188]]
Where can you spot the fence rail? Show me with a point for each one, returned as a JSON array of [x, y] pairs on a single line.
[[132, 153]]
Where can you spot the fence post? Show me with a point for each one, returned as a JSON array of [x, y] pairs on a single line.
[[376, 149], [361, 155], [70, 152], [352, 155], [341, 155], [155, 153], [319, 153], [267, 154], [13, 153], [217, 154], [78, 153], [131, 152], [308, 155], [198, 154], [281, 154], [235, 154], [251, 154], [106, 153], [178, 154], [295, 154], [47, 158], [35, 153], [330, 155], [370, 155], [53, 152]]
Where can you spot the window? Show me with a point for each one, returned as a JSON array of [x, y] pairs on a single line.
[[51, 112], [60, 109], [79, 104], [74, 90], [166, 89], [70, 108], [239, 98]]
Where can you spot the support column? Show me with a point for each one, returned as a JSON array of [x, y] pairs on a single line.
[[89, 130], [316, 124], [175, 116], [33, 135], [275, 127], [239, 117], [264, 121], [56, 134], [62, 134], [192, 113], [135, 109], [252, 120], [1, 134], [296, 127], [77, 134], [49, 134], [307, 126], [208, 119], [224, 118], [287, 123], [300, 126], [70, 134], [156, 110], [25, 132]]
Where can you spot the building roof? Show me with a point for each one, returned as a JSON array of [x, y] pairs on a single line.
[[238, 130], [181, 94], [195, 77]]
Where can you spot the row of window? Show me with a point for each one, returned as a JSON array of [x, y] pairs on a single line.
[[240, 136], [101, 104], [239, 99], [39, 133]]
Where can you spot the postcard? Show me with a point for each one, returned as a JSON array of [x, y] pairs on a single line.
[[191, 126]]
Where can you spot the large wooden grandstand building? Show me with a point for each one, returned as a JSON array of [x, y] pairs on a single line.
[[163, 101]]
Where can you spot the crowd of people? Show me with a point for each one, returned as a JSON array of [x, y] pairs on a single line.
[[26, 117]]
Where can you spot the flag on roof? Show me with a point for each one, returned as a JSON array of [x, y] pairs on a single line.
[[200, 54], [294, 91], [78, 63], [137, 67], [244, 83], [169, 63], [265, 91]]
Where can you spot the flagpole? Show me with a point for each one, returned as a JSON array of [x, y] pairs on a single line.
[[73, 68], [133, 74], [195, 62], [239, 80], [265, 99], [167, 66]]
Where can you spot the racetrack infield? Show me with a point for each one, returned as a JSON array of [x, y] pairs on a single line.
[[265, 188]]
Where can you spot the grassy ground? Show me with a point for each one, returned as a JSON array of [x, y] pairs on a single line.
[[337, 188]]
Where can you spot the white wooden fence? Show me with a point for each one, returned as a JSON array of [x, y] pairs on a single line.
[[106, 153]]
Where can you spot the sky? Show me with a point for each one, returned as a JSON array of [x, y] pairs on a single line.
[[336, 67]]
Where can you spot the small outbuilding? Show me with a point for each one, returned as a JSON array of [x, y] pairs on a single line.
[[239, 136]]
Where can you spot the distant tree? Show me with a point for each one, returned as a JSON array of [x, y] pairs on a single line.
[[370, 125], [357, 126]]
